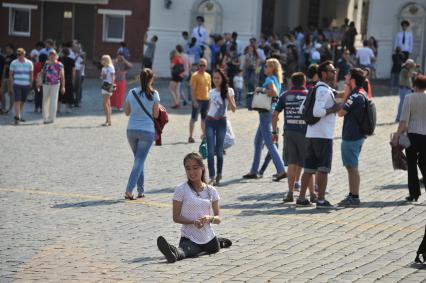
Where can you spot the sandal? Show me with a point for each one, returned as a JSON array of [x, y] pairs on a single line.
[[129, 196], [106, 124], [141, 195]]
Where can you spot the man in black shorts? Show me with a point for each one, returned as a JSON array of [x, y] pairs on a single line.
[[319, 136]]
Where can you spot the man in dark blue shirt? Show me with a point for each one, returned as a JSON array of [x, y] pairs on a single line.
[[353, 111], [294, 132]]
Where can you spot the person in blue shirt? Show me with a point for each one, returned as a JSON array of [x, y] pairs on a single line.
[[271, 87], [353, 111], [140, 128], [294, 132]]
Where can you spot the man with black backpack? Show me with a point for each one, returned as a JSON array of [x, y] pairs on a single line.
[[353, 135], [320, 115]]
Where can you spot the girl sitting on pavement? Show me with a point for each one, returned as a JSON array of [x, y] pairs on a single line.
[[193, 204]]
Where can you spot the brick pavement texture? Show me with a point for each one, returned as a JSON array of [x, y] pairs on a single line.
[[62, 217]]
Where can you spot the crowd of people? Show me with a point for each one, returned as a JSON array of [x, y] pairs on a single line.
[[213, 74], [53, 78]]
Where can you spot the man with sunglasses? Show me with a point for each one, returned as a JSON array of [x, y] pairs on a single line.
[[200, 87], [319, 136], [21, 74]]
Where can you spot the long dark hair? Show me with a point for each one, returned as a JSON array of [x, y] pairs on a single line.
[[199, 160], [146, 75], [224, 85]]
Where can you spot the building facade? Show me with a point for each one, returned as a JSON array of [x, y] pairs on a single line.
[[384, 22], [170, 18], [100, 25]]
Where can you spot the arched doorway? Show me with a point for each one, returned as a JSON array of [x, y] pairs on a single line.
[[211, 11], [416, 15]]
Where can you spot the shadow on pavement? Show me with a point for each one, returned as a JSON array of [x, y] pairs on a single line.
[[420, 266], [88, 203], [287, 211], [170, 190], [392, 187], [147, 259]]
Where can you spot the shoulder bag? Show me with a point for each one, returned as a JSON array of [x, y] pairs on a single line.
[[261, 101]]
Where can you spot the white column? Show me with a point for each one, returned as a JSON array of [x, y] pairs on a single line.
[[358, 21], [350, 11]]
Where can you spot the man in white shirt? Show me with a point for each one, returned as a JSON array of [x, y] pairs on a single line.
[[364, 55], [404, 40], [319, 136], [200, 32]]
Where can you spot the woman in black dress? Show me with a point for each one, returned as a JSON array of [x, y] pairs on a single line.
[[69, 70]]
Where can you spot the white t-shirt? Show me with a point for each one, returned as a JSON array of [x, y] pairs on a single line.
[[218, 107], [364, 55], [195, 206], [107, 73], [324, 99], [238, 82]]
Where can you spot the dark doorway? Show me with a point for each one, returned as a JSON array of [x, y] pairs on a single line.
[[53, 21], [84, 27], [268, 11]]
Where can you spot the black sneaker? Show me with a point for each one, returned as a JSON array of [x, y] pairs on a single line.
[[251, 176], [303, 202], [166, 250], [325, 204]]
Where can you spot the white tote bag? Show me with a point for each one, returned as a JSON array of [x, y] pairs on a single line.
[[229, 137], [261, 101]]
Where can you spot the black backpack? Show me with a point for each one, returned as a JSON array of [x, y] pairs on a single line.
[[177, 70], [308, 107], [369, 119]]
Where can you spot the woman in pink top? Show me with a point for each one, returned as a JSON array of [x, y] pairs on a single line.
[[196, 207]]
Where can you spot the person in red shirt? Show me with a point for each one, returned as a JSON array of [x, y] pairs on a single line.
[[177, 72]]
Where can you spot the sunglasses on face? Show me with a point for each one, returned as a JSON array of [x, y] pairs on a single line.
[[332, 71], [202, 65]]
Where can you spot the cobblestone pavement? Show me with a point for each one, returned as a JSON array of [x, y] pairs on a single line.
[[63, 219]]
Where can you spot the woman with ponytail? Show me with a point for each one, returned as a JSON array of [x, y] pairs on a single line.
[[140, 128]]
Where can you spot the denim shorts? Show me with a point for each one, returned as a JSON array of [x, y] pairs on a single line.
[[319, 154], [203, 106], [21, 92], [350, 152]]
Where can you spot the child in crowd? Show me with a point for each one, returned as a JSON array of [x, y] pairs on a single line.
[[238, 86]]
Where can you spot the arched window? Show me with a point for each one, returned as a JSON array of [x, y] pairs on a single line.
[[212, 13]]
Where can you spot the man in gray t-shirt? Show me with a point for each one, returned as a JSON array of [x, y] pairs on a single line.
[[148, 56]]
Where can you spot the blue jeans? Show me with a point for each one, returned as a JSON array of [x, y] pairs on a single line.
[[264, 136], [403, 92], [140, 142], [250, 79], [215, 133]]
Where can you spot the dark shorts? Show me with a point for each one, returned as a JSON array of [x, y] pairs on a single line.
[[177, 78], [203, 106], [319, 154], [21, 92], [294, 148]]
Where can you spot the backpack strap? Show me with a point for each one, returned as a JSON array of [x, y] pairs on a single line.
[[142, 106]]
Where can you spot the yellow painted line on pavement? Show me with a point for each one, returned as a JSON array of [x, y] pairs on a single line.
[[150, 203]]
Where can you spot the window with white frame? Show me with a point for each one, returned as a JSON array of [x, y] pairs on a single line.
[[114, 24], [19, 19]]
